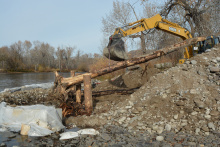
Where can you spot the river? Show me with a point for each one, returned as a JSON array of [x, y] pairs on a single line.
[[11, 80]]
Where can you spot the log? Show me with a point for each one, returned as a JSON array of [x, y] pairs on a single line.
[[117, 91], [73, 75], [76, 88], [78, 93], [68, 82], [88, 93]]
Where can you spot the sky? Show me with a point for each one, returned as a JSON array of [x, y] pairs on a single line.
[[57, 22]]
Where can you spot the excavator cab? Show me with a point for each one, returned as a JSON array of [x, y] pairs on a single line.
[[115, 49], [210, 42]]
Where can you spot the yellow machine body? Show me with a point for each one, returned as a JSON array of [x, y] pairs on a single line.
[[159, 23]]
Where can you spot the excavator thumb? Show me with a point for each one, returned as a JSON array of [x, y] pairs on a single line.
[[115, 49]]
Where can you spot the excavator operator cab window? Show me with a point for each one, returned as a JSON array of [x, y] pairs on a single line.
[[216, 40], [209, 43]]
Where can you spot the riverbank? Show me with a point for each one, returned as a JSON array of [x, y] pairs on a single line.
[[110, 134], [179, 106]]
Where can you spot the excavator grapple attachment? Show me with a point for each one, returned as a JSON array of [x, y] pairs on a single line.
[[115, 50]]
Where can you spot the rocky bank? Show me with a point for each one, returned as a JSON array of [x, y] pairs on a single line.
[[179, 106]]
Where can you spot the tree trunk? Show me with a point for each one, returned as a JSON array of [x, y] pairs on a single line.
[[143, 44]]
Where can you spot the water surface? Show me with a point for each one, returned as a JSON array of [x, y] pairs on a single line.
[[11, 80]]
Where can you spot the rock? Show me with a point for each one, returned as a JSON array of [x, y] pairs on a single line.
[[175, 116], [211, 125], [135, 111], [158, 66], [122, 119], [214, 61], [105, 137], [197, 131], [207, 116], [185, 69], [128, 107], [187, 62], [184, 124], [164, 96], [207, 133], [193, 91], [214, 113], [160, 130], [139, 109], [162, 65], [166, 145], [207, 111], [25, 129], [208, 50], [191, 143], [193, 62], [178, 145], [168, 64], [155, 127], [194, 113], [218, 59], [159, 138], [214, 69], [131, 103], [143, 112], [206, 129], [168, 127], [199, 103]]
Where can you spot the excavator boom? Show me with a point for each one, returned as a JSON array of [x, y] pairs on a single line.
[[116, 50]]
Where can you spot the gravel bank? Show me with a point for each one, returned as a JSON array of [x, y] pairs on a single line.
[[177, 107]]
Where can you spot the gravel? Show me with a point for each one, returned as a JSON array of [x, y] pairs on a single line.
[[179, 106]]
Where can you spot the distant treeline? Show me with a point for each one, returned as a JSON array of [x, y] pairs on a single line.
[[39, 56]]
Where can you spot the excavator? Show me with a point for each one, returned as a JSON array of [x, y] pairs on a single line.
[[116, 50]]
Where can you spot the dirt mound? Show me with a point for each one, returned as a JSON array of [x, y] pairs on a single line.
[[184, 98]]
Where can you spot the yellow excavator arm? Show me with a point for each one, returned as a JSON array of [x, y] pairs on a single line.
[[154, 22], [149, 23]]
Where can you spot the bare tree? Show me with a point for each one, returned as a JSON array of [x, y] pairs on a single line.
[[27, 56], [3, 56], [124, 13], [119, 16], [68, 51], [195, 14]]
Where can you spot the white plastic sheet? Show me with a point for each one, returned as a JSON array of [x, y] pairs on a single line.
[[69, 135], [43, 120]]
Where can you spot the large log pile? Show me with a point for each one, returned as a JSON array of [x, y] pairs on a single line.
[[66, 83], [63, 86]]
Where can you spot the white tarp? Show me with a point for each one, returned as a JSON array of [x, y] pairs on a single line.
[[43, 120], [69, 135]]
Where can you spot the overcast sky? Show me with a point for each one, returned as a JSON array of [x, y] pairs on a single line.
[[57, 22]]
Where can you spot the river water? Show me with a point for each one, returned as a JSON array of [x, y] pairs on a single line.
[[11, 80]]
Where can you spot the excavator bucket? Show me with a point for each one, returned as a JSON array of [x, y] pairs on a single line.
[[115, 50]]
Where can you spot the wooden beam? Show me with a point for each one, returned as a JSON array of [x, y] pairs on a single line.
[[88, 93], [78, 93]]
